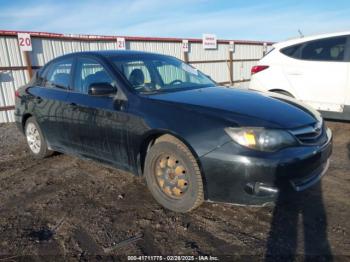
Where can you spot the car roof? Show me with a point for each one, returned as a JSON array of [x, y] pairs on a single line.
[[106, 54], [308, 38], [112, 53]]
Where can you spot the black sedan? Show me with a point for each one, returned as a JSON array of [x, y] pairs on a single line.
[[158, 117]]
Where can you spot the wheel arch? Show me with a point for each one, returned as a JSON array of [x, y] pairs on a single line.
[[24, 119]]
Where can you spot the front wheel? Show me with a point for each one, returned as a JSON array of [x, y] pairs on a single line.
[[173, 175], [35, 139]]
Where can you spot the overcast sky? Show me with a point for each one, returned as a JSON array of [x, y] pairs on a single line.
[[228, 19]]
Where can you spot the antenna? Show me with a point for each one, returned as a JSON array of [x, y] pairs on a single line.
[[300, 33]]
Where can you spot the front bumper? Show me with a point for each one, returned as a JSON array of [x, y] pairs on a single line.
[[242, 176]]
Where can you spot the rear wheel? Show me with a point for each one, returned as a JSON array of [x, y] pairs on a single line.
[[173, 175], [35, 139]]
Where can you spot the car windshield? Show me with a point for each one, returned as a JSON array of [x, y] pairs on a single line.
[[158, 73]]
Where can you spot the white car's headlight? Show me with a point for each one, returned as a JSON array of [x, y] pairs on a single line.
[[269, 140]]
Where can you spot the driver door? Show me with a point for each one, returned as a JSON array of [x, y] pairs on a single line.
[[98, 123]]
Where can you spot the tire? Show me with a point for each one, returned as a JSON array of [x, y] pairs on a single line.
[[35, 139], [173, 175]]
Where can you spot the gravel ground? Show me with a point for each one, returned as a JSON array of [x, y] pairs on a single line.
[[64, 206]]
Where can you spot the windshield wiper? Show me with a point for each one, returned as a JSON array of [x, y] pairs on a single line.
[[151, 92], [168, 90]]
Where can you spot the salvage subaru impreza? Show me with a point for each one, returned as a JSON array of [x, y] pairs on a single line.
[[160, 118]]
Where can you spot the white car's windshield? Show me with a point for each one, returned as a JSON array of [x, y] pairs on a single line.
[[158, 73]]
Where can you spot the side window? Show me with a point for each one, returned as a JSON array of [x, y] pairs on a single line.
[[329, 49], [58, 74], [90, 71], [292, 51]]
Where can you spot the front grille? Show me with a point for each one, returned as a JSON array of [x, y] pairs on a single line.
[[311, 135]]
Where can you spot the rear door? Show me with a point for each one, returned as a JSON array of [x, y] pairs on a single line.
[[318, 70], [50, 96]]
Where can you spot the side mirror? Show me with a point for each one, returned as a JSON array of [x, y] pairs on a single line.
[[101, 89]]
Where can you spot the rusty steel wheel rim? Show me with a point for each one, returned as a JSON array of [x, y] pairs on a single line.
[[172, 176]]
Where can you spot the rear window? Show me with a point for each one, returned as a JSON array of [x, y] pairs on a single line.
[[292, 51]]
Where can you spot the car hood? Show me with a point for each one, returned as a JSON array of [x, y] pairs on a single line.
[[279, 110]]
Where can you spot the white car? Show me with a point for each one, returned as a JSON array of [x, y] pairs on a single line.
[[314, 69]]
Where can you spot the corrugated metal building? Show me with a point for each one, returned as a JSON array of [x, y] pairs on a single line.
[[230, 68]]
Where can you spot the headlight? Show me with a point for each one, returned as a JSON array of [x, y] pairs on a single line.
[[261, 139]]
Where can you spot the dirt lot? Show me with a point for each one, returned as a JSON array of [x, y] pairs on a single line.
[[66, 206]]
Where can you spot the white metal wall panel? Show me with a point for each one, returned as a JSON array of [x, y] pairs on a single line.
[[167, 48], [197, 52], [241, 70], [7, 116], [217, 71], [4, 54], [9, 81], [37, 55], [16, 57], [248, 51]]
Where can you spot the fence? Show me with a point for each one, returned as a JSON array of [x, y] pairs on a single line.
[[224, 66]]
